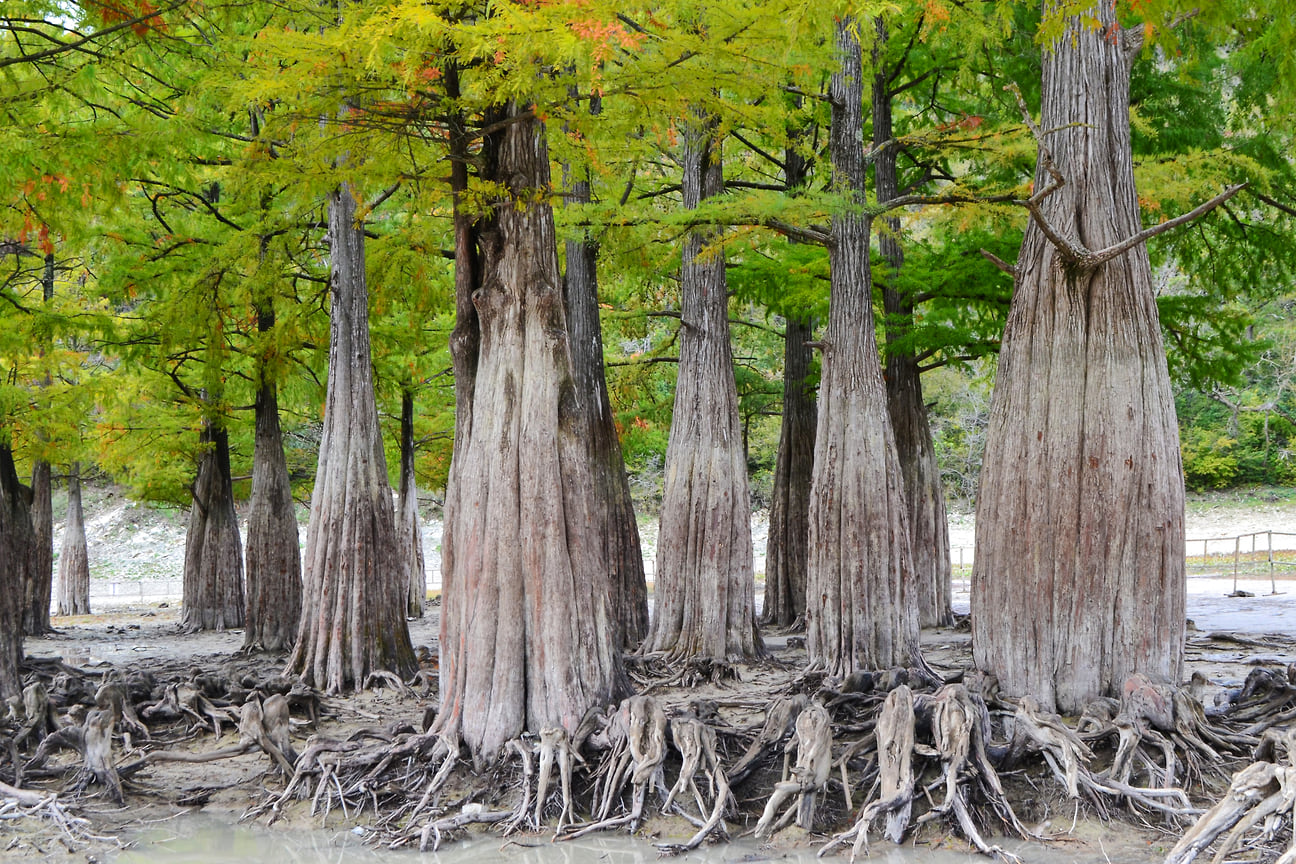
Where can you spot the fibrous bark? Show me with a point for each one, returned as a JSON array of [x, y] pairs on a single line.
[[409, 536], [274, 585], [527, 637], [789, 522], [613, 507], [353, 619], [74, 559], [40, 583], [1079, 572], [861, 612], [788, 552], [705, 589], [16, 541], [924, 495], [213, 569]]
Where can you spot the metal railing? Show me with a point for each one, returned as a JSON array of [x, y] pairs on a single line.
[[1256, 554]]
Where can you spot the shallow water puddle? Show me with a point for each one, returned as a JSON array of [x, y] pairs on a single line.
[[207, 839]]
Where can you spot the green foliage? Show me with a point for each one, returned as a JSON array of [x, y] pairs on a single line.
[[1209, 460]]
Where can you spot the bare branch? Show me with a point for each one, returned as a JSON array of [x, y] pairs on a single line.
[[999, 262], [804, 235], [1102, 256]]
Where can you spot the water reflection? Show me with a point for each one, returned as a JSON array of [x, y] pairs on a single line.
[[210, 839]]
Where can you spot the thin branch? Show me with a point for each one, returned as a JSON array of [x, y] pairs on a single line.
[[1104, 255], [803, 235], [779, 163], [1000, 263], [643, 362], [1273, 202], [64, 47]]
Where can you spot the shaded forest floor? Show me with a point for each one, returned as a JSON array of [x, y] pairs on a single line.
[[145, 645]]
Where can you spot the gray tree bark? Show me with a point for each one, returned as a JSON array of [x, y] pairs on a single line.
[[353, 619], [74, 559], [273, 553], [787, 552], [409, 536], [614, 508], [38, 596], [924, 494], [15, 550], [213, 568], [705, 587], [861, 611], [1079, 572], [527, 637], [787, 555]]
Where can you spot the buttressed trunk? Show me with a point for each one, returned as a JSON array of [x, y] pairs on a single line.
[[614, 507], [274, 585], [213, 569], [1079, 573], [12, 552], [788, 550], [789, 523], [409, 535], [705, 592], [40, 587], [860, 612], [527, 638], [353, 609], [924, 495], [74, 559]]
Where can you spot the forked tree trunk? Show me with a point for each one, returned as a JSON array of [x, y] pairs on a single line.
[[274, 584], [74, 560], [409, 536], [13, 556], [213, 568], [613, 506], [40, 586], [353, 619], [861, 612], [924, 494], [1078, 579], [527, 639], [705, 588], [789, 527]]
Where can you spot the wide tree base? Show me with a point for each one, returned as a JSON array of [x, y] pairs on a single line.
[[758, 749]]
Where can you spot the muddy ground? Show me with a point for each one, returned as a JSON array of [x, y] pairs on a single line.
[[147, 639]]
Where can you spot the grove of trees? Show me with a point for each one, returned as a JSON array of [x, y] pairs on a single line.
[[533, 258]]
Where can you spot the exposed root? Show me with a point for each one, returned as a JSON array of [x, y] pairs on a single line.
[[895, 745], [813, 744], [780, 720], [697, 744], [1260, 792]]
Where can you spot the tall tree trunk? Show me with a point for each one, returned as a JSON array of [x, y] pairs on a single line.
[[787, 557], [924, 495], [409, 536], [861, 612], [38, 592], [1078, 579], [527, 637], [787, 551], [40, 586], [355, 587], [16, 537], [213, 568], [613, 506], [274, 583], [705, 592], [74, 559]]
